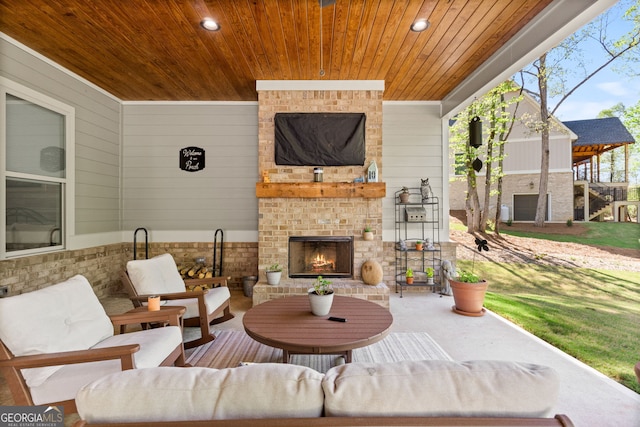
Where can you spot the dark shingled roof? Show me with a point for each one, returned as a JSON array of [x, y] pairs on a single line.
[[605, 131]]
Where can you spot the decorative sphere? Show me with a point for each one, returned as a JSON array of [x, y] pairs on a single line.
[[371, 272]]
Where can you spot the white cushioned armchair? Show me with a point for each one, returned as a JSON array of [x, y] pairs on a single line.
[[59, 338], [159, 276]]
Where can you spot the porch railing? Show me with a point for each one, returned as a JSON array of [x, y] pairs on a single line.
[[606, 195], [610, 194]]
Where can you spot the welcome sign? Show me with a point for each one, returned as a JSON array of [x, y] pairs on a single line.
[[191, 159]]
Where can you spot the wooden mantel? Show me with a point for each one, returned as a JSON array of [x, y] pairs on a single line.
[[370, 190]]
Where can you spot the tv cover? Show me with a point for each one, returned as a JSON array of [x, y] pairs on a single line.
[[320, 139]]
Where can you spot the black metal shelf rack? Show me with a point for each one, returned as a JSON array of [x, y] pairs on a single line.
[[417, 220]]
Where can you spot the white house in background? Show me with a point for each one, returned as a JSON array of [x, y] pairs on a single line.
[[522, 172]]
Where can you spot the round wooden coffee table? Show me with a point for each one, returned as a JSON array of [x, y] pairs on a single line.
[[287, 323]]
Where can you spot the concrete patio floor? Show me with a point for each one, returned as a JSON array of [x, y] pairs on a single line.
[[589, 398]]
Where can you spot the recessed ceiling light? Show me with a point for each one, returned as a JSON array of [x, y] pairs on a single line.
[[209, 24], [420, 25]]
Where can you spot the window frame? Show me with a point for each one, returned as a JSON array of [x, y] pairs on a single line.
[[68, 182]]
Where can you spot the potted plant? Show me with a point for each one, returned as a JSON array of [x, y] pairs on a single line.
[[409, 276], [274, 273], [468, 294], [404, 196], [367, 234], [468, 290], [321, 297], [419, 245], [429, 271]]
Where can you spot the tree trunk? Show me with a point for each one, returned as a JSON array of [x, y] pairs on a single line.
[[488, 170], [472, 202], [541, 207], [502, 139], [473, 209], [614, 171]]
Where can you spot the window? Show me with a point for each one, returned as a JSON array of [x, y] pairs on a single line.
[[36, 145]]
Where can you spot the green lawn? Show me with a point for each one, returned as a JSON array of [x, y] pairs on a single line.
[[616, 234], [592, 315]]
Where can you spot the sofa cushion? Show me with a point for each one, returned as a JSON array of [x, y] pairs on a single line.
[[213, 299], [155, 346], [440, 388], [157, 275], [62, 317], [64, 383], [185, 394]]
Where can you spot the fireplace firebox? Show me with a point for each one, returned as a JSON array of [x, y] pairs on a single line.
[[327, 256]]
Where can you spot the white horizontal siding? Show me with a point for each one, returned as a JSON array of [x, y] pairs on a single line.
[[524, 147], [158, 195], [524, 156], [411, 150], [97, 136]]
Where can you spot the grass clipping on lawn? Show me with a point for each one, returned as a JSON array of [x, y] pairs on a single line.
[[593, 315]]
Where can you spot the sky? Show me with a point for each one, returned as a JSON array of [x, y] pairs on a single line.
[[608, 87], [603, 91]]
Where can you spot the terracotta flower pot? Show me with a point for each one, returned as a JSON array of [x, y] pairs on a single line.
[[409, 280], [469, 297]]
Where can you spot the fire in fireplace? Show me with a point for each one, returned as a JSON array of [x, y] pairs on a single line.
[[327, 256]]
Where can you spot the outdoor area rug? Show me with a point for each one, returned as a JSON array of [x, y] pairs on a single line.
[[230, 348]]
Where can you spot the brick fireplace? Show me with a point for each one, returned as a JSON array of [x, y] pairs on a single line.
[[292, 205]]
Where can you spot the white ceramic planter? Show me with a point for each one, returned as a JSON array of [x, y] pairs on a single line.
[[320, 304], [273, 277]]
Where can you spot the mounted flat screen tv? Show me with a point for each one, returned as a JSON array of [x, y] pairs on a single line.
[[320, 139]]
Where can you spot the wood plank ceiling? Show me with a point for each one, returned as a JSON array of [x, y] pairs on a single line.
[[156, 49]]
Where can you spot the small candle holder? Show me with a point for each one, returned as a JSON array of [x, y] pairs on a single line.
[[153, 303]]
